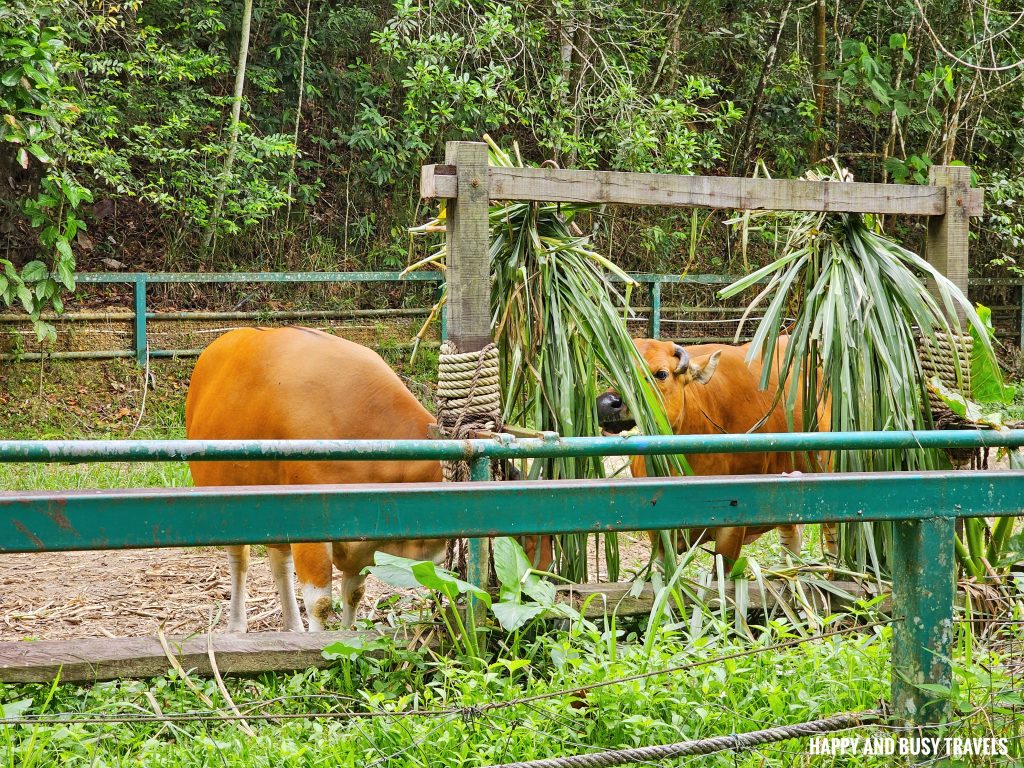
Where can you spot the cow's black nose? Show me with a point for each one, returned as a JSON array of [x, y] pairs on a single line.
[[609, 406]]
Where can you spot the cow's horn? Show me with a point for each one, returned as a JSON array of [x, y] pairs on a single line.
[[684, 358]]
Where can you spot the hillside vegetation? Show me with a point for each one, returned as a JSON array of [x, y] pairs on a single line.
[[119, 147]]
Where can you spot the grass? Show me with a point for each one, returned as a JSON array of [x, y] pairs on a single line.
[[693, 704], [746, 693]]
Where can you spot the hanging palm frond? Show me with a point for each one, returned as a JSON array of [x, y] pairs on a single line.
[[863, 312], [559, 318]]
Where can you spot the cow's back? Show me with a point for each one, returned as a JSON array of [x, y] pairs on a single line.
[[297, 383]]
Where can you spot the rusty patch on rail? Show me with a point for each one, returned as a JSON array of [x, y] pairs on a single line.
[[28, 534], [60, 518]]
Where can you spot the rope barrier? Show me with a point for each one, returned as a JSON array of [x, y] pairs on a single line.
[[735, 741]]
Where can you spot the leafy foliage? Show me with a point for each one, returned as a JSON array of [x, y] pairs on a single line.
[[862, 309]]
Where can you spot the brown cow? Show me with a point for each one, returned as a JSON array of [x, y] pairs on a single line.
[[710, 389], [292, 383]]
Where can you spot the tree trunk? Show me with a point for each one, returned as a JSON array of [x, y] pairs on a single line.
[[298, 109], [819, 78], [236, 114], [742, 153]]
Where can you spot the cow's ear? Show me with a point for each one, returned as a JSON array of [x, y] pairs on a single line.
[[702, 369]]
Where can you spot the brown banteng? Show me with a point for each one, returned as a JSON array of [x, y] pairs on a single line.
[[297, 383], [710, 389]]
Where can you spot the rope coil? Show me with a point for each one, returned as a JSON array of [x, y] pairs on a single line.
[[948, 357], [468, 400]]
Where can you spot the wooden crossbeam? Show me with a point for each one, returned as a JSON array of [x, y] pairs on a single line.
[[731, 193]]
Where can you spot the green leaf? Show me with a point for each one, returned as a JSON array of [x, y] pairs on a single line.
[[393, 570], [986, 379], [64, 248], [66, 275], [34, 271], [27, 301], [15, 709], [432, 577], [511, 616], [511, 565], [354, 647], [45, 332], [39, 153], [966, 409]]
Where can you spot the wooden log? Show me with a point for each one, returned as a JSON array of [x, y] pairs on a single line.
[[731, 193], [597, 600], [105, 658]]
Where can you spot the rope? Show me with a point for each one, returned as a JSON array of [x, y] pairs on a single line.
[[468, 400], [735, 741]]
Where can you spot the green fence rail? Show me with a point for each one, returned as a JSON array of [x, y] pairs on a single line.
[[141, 316], [923, 505], [547, 445]]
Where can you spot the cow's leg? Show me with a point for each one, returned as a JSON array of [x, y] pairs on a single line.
[[313, 567], [283, 569], [540, 551], [238, 564], [830, 539], [792, 537], [352, 590], [729, 542]]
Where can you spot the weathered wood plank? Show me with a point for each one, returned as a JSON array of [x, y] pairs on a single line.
[[88, 660], [615, 598], [948, 233], [468, 235], [732, 193], [105, 658]]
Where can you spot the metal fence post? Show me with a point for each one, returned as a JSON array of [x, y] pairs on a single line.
[[478, 556], [654, 322], [923, 558], [1020, 309], [140, 319], [468, 278], [923, 589]]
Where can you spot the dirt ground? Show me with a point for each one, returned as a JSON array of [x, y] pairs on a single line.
[[63, 595], [131, 593]]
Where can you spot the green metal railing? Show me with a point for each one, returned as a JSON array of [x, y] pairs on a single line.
[[923, 505], [141, 316], [47, 521], [505, 446]]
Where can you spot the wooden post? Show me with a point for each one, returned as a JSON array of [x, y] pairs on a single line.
[[947, 234], [468, 269], [469, 288]]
